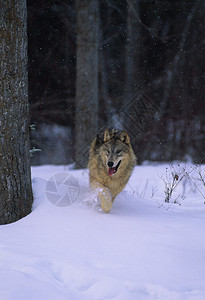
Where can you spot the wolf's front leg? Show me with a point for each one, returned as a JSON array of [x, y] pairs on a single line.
[[104, 194], [106, 199]]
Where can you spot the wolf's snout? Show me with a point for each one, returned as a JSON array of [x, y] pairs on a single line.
[[110, 164]]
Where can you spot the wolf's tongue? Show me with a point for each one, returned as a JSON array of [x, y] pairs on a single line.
[[111, 171]]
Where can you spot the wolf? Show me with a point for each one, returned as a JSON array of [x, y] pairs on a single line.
[[111, 162]]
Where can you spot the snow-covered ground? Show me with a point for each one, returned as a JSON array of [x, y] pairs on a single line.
[[144, 249]]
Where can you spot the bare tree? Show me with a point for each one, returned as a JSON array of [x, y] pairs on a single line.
[[132, 50], [15, 180], [172, 71], [86, 103]]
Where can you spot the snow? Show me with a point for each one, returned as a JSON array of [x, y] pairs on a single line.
[[144, 249]]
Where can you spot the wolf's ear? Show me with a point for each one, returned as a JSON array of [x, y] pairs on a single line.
[[106, 135], [125, 137]]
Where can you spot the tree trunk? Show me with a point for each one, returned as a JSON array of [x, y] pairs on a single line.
[[132, 50], [172, 71], [15, 180], [86, 104]]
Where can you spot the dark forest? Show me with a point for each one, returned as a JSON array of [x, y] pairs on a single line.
[[150, 76]]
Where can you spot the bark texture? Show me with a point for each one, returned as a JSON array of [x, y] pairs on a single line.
[[86, 104], [15, 180]]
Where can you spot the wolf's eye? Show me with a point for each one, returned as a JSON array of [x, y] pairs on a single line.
[[108, 151], [118, 151]]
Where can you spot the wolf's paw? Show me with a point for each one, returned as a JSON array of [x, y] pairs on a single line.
[[106, 206]]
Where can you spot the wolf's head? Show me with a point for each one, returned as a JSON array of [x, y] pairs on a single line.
[[115, 150]]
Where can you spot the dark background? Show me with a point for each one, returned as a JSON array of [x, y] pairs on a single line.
[[151, 77]]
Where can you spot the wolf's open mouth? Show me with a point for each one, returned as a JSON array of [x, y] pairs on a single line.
[[112, 171]]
